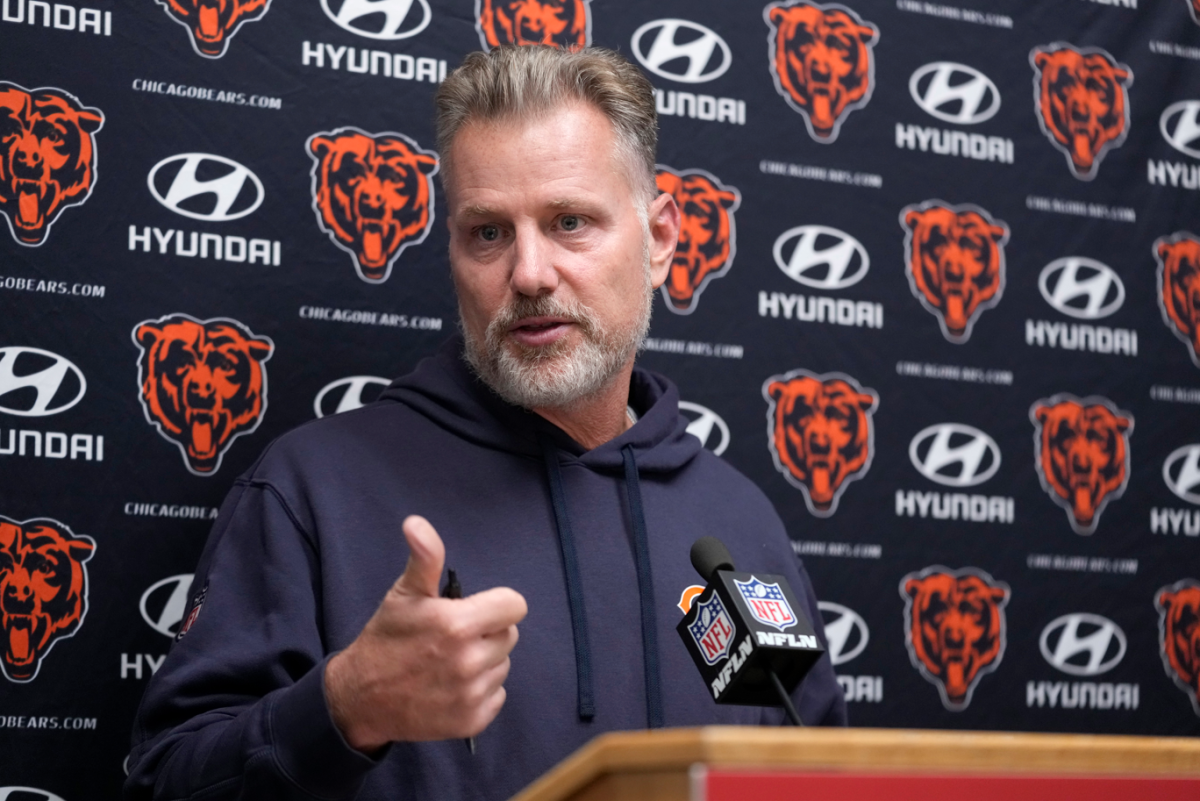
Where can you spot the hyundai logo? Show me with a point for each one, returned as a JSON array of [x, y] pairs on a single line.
[[1180, 126], [1081, 287], [954, 92], [1181, 472], [954, 454], [846, 632], [57, 384], [706, 426], [26, 794], [379, 19], [821, 257], [1082, 644], [701, 56], [205, 187], [346, 394], [163, 604]]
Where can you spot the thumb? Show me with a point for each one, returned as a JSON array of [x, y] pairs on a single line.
[[427, 554]]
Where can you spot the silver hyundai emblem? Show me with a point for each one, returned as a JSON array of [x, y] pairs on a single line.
[[379, 19], [954, 92], [347, 393], [27, 794], [1081, 287], [846, 633], [706, 426], [1082, 644], [163, 604], [680, 50], [205, 187], [954, 454], [1181, 472], [1180, 126], [57, 384], [821, 257]]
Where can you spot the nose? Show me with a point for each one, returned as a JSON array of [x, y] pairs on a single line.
[[1080, 111], [1081, 461], [533, 270]]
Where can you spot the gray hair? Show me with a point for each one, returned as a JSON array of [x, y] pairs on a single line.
[[513, 82]]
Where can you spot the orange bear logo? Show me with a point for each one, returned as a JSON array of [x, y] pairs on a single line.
[[1178, 259], [820, 432], [1178, 608], [47, 157], [1081, 455], [212, 23], [955, 628], [43, 591], [373, 195], [203, 384], [559, 23], [822, 61], [1082, 101], [954, 262], [706, 238]]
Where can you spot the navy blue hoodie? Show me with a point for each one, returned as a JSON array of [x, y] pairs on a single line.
[[309, 540]]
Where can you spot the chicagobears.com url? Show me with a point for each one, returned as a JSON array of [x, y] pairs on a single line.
[[204, 93], [46, 722], [52, 287]]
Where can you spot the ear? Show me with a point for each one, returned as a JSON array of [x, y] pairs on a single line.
[[727, 199], [1121, 76], [1042, 413], [998, 232], [912, 218], [1041, 59], [866, 35], [1163, 249], [80, 550], [776, 390], [259, 349], [1164, 600], [665, 223], [912, 588], [320, 146], [426, 164], [778, 15], [147, 335], [865, 402], [997, 594], [90, 119], [1123, 423]]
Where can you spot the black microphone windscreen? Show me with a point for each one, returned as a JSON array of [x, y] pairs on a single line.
[[709, 555]]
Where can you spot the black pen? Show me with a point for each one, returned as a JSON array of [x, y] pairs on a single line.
[[454, 590]]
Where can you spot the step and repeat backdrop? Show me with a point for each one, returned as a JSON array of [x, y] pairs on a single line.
[[937, 293]]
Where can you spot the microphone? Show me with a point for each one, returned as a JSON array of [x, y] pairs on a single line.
[[749, 638]]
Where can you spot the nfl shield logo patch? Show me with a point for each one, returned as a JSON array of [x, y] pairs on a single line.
[[767, 603], [712, 630]]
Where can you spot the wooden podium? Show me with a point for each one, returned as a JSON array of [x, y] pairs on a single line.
[[768, 764]]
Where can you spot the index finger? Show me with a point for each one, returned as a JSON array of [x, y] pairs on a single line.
[[493, 610]]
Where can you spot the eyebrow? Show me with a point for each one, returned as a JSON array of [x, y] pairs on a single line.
[[480, 210]]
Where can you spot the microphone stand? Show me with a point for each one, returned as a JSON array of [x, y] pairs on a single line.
[[785, 699]]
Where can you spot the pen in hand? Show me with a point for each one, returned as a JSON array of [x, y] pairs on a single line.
[[454, 590]]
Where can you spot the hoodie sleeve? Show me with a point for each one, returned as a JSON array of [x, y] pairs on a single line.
[[237, 710], [819, 698]]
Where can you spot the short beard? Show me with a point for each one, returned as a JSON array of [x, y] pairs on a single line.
[[556, 376]]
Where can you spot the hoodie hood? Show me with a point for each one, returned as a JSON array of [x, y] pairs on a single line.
[[445, 389]]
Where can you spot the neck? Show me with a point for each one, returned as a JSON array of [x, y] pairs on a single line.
[[598, 418]]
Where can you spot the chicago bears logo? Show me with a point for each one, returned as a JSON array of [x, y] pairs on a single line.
[[203, 384], [822, 60], [706, 237], [1178, 608], [212, 23], [47, 157], [43, 591], [1081, 452], [955, 628], [1178, 259], [954, 262], [373, 195], [820, 432], [1082, 100], [559, 23]]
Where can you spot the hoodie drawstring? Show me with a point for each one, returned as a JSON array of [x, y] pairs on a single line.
[[641, 553], [566, 540]]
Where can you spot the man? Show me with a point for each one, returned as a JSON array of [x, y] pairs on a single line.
[[546, 467]]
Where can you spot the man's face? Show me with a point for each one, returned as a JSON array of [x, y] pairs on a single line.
[[553, 267]]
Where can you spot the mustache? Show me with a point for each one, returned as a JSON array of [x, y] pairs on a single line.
[[524, 306]]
